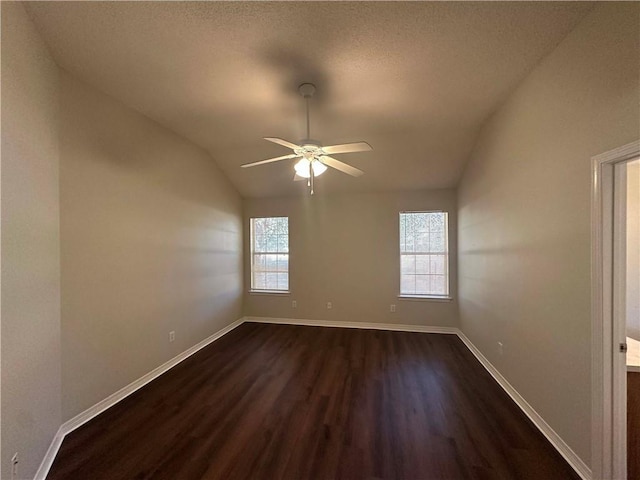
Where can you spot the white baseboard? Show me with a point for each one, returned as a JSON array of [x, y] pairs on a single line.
[[83, 417], [50, 456], [569, 455], [560, 445], [362, 325]]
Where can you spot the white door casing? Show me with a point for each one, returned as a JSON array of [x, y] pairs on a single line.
[[608, 388]]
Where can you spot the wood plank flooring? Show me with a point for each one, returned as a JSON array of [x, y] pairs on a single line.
[[633, 424], [291, 402]]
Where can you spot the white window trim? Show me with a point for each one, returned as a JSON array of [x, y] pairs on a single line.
[[265, 291], [428, 297], [269, 292]]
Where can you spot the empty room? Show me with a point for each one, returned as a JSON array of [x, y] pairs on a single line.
[[320, 240]]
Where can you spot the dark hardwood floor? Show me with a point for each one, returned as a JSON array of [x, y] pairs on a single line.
[[633, 425], [290, 402]]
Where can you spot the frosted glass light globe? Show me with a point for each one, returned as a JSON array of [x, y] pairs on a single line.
[[302, 168]]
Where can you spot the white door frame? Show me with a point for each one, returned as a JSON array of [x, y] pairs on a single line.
[[608, 455]]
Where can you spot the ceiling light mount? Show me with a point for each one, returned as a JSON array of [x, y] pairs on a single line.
[[307, 90]]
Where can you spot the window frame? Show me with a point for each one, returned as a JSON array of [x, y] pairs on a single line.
[[446, 297], [252, 254]]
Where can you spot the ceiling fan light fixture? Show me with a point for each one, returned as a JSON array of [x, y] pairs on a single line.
[[303, 170], [314, 157]]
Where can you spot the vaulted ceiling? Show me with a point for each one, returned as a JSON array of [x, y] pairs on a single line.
[[416, 80]]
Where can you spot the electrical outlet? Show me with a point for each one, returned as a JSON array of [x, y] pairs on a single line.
[[172, 336], [329, 306], [14, 466], [392, 308], [500, 348], [294, 304]]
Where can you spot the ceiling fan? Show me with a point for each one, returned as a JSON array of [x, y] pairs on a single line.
[[314, 158]]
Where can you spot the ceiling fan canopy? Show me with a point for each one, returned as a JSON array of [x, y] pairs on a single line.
[[314, 157]]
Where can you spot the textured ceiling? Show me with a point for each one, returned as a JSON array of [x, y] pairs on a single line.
[[416, 80]]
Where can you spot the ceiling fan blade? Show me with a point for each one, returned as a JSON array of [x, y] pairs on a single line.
[[343, 167], [269, 160], [282, 142], [348, 148]]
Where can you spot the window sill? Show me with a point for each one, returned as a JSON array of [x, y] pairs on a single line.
[[269, 292], [426, 298]]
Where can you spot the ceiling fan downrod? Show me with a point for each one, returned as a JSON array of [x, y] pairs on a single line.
[[307, 90]]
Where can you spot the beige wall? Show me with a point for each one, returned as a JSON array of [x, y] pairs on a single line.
[[524, 216], [151, 236], [30, 245], [344, 249], [133, 228], [633, 249]]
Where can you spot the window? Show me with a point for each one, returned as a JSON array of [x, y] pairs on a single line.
[[270, 254], [424, 254]]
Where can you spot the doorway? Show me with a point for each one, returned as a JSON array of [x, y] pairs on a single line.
[[629, 204], [615, 305]]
